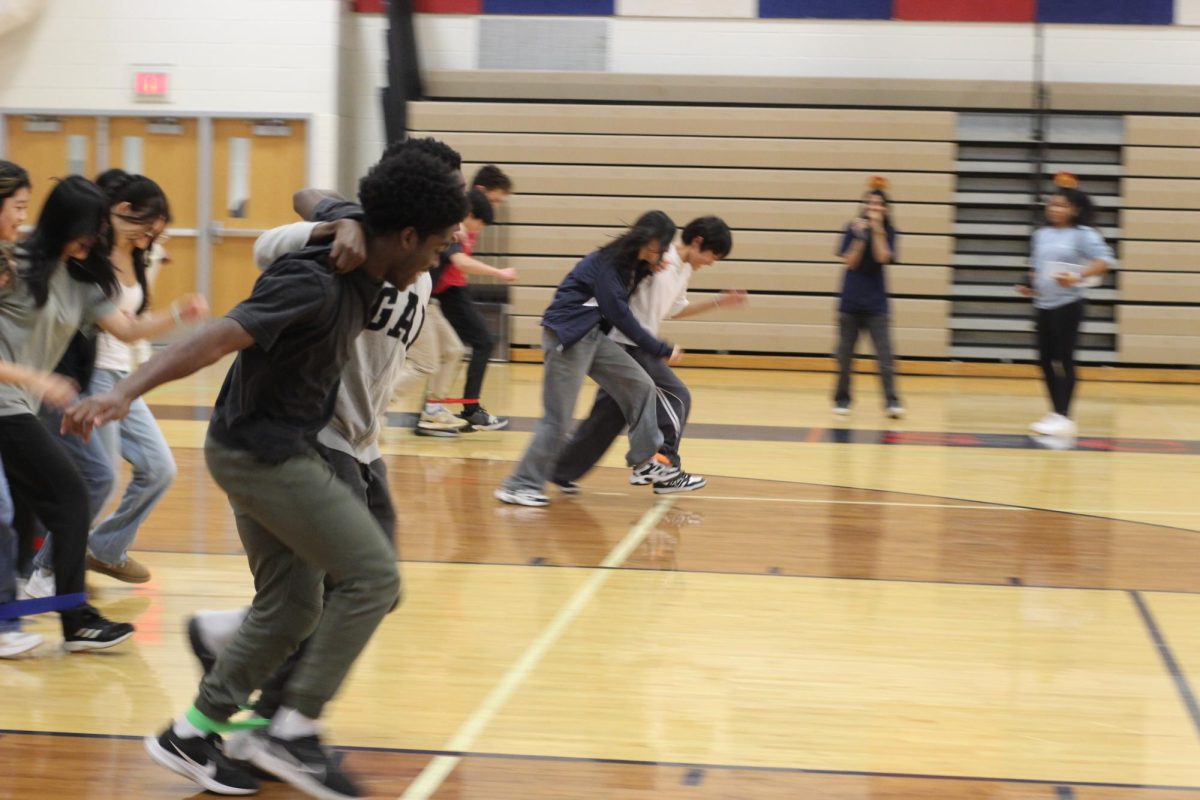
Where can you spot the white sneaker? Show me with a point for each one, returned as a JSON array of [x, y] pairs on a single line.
[[439, 418], [1046, 420], [40, 584], [895, 412], [18, 642], [682, 482], [1057, 425], [655, 469], [521, 497], [841, 410]]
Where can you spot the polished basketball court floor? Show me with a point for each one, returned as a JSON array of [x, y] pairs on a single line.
[[940, 607]]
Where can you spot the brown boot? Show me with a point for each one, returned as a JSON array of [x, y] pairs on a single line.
[[132, 571]]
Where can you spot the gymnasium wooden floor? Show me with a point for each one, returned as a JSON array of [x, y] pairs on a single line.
[[936, 608]]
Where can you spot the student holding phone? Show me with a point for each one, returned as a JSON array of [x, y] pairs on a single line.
[[868, 244]]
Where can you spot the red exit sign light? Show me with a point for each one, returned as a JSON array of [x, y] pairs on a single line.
[[150, 85]]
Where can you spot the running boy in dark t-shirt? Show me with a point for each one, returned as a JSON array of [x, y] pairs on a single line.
[[297, 522]]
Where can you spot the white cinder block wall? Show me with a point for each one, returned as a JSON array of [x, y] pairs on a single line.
[[309, 57], [260, 57]]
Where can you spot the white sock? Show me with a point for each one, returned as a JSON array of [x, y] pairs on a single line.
[[184, 729], [288, 723], [218, 627], [433, 408]]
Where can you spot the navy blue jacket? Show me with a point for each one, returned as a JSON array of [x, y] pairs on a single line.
[[596, 276]]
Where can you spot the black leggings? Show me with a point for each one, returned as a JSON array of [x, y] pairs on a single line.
[[47, 486], [1057, 335], [460, 311]]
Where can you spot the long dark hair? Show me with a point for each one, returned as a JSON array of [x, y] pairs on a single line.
[[653, 226], [147, 202], [13, 178], [75, 208]]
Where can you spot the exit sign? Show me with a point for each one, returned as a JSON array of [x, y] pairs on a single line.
[[151, 86]]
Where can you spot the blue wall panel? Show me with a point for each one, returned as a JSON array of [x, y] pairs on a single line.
[[593, 8], [1109, 12], [826, 9]]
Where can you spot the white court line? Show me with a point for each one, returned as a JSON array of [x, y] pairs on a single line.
[[437, 770]]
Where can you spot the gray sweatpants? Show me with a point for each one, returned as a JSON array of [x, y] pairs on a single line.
[[596, 433], [849, 327], [297, 523], [607, 363]]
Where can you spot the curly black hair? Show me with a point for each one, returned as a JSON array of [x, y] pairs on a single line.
[[411, 190], [426, 144]]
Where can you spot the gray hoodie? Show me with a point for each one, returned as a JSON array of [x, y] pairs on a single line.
[[371, 374]]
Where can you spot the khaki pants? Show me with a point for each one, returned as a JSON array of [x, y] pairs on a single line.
[[433, 359]]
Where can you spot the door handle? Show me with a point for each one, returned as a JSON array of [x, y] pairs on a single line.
[[216, 231]]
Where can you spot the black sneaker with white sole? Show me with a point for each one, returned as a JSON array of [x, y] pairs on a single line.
[[203, 654], [681, 482], [200, 759], [87, 629], [567, 487], [307, 765], [481, 420]]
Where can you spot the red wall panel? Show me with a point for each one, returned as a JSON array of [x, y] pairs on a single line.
[[967, 10], [448, 6]]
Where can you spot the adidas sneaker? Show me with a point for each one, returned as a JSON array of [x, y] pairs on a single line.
[[89, 630]]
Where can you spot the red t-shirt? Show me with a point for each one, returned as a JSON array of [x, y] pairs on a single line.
[[452, 275]]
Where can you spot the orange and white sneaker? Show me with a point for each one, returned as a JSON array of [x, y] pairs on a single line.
[[652, 470]]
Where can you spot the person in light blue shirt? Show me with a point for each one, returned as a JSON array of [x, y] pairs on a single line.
[[1067, 256]]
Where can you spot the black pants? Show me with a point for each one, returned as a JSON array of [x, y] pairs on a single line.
[[468, 323], [370, 482], [1057, 335], [605, 422], [47, 487]]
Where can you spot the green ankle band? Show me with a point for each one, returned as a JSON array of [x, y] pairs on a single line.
[[209, 725]]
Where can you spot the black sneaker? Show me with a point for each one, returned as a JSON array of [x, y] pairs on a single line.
[[681, 482], [567, 487], [201, 760], [308, 766], [89, 630], [481, 420], [205, 656]]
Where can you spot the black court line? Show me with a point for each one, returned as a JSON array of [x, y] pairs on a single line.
[[816, 435], [686, 765], [1169, 660]]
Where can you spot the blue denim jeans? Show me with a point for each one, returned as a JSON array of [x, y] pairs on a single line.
[[8, 555], [138, 440]]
